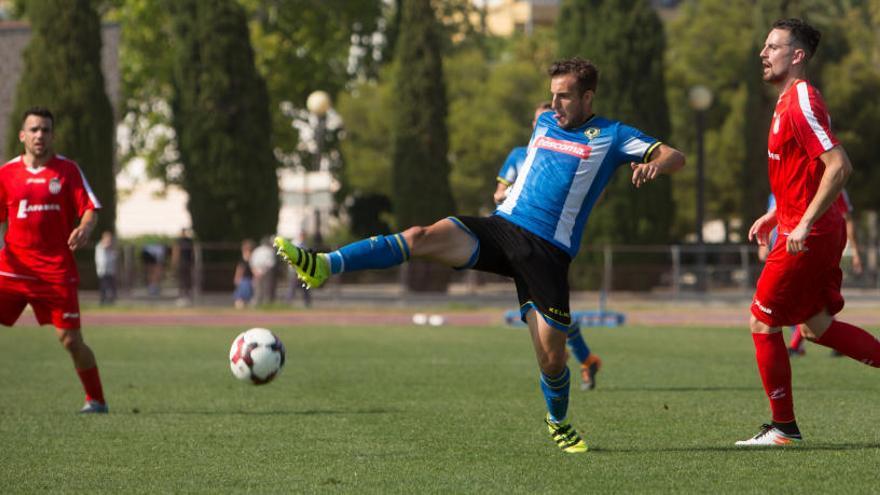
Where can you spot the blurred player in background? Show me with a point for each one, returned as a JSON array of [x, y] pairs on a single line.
[[800, 283], [590, 363], [534, 234], [513, 163], [50, 211]]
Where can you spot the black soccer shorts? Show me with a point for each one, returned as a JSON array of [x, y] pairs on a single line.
[[538, 268]]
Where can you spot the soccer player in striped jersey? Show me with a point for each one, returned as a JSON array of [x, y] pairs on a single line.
[[800, 282], [49, 209], [534, 234], [590, 362]]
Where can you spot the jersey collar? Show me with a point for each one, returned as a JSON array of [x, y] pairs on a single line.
[[586, 123]]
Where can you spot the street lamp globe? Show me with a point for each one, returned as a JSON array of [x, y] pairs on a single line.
[[318, 103], [700, 97]]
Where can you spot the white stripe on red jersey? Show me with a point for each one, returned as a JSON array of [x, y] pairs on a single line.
[[807, 109]]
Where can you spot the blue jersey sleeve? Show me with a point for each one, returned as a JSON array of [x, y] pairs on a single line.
[[771, 202], [510, 170], [635, 146]]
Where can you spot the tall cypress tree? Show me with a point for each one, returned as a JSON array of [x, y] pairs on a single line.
[[420, 142], [221, 117], [62, 71], [577, 20], [625, 39]]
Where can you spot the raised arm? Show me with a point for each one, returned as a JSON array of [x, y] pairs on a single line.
[[663, 160]]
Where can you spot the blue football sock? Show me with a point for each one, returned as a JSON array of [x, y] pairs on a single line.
[[372, 253], [577, 344], [555, 391]]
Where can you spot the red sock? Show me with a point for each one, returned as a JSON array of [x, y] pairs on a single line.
[[853, 342], [91, 382], [796, 338], [775, 370]]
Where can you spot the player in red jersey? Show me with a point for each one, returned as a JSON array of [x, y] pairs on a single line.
[[801, 279], [50, 211]]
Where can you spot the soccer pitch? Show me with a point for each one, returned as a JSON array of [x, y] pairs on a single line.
[[402, 409]]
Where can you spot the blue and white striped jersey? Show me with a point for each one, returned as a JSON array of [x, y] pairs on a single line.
[[564, 173]]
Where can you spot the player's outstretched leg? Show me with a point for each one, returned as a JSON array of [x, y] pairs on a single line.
[[373, 253], [312, 268], [590, 362]]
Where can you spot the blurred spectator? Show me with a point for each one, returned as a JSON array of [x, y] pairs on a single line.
[[105, 265], [182, 258], [263, 267], [153, 257], [295, 285], [244, 277]]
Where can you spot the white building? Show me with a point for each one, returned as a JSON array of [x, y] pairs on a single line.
[[146, 207]]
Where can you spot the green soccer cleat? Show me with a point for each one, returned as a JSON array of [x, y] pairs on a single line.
[[312, 268], [566, 437]]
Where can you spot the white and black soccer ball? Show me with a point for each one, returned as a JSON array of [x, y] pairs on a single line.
[[256, 356]]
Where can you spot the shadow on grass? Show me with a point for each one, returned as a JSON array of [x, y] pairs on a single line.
[[732, 448], [307, 412], [611, 390]]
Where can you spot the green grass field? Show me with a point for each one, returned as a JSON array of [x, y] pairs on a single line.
[[423, 410]]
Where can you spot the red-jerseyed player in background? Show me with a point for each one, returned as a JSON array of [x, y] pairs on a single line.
[[42, 196], [801, 279]]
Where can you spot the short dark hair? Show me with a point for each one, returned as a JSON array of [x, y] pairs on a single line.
[[586, 73], [802, 34], [39, 112], [544, 105]]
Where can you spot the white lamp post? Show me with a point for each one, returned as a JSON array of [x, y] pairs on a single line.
[[700, 99], [318, 104]]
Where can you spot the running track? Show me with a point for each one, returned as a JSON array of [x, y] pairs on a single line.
[[214, 317]]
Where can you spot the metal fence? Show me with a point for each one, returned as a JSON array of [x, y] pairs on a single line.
[[676, 270]]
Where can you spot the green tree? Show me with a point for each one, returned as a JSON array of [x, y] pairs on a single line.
[[420, 141], [492, 104], [578, 19], [724, 56], [625, 40], [146, 72], [62, 71], [302, 46], [850, 88], [736, 121], [222, 122], [367, 113], [491, 95]]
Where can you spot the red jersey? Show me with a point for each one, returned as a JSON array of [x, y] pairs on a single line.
[[42, 208], [799, 133]]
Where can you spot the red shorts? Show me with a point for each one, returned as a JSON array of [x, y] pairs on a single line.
[[794, 288], [57, 304]]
